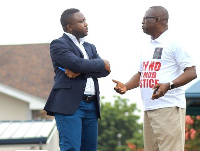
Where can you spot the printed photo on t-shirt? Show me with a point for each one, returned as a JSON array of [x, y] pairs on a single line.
[[157, 53]]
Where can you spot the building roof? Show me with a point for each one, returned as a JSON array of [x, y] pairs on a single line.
[[26, 132], [192, 95], [193, 91], [27, 68], [35, 103]]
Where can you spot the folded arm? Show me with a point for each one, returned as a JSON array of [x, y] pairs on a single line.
[[63, 56]]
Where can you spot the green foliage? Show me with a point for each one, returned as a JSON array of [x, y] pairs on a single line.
[[119, 118]]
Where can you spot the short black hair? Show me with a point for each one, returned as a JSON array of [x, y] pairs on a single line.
[[163, 13], [66, 15]]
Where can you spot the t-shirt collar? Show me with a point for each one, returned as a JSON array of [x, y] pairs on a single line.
[[161, 38]]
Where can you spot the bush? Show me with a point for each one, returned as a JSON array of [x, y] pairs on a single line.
[[192, 133]]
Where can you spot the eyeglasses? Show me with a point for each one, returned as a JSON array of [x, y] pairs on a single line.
[[146, 17], [155, 17]]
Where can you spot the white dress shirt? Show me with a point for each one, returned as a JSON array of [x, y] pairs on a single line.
[[89, 89]]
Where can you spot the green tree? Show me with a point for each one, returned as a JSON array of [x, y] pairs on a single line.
[[119, 126]]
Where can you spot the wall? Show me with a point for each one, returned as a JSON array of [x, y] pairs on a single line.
[[13, 109]]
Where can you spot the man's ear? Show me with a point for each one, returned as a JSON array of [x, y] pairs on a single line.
[[69, 27], [158, 19]]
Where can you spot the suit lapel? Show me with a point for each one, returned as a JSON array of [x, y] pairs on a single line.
[[73, 45], [78, 49], [88, 50]]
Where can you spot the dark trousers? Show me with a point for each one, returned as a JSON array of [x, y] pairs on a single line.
[[79, 131]]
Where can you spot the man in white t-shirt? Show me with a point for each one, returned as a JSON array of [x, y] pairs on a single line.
[[164, 68]]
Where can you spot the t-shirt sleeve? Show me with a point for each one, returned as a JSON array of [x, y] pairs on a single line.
[[183, 57]]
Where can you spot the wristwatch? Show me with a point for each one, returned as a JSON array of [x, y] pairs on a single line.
[[171, 85]]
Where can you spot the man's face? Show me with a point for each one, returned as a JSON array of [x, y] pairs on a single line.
[[149, 22], [78, 25]]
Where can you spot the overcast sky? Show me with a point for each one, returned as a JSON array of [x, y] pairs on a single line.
[[114, 27]]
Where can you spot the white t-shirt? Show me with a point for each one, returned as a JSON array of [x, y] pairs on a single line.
[[162, 61]]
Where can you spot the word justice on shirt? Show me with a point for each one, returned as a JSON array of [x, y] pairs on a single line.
[[148, 75]]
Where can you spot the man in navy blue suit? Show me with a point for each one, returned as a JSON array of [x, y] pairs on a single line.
[[74, 98]]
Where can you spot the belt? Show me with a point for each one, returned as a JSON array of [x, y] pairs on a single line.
[[88, 98]]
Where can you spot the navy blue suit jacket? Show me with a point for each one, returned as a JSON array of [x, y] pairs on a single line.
[[67, 93]]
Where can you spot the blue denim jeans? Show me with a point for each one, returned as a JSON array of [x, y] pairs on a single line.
[[79, 131]]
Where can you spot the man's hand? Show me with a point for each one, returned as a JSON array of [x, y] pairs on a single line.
[[71, 74], [120, 87], [107, 65], [159, 90]]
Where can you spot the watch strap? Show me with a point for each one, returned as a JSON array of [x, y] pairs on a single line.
[[171, 85]]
